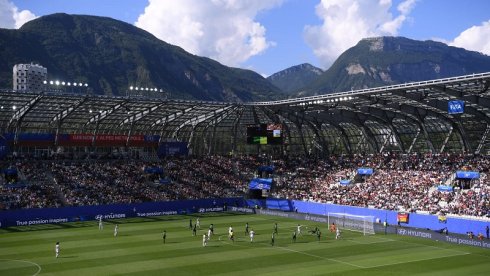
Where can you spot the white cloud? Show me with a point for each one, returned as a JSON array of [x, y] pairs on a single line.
[[345, 22], [11, 17], [476, 38], [224, 30]]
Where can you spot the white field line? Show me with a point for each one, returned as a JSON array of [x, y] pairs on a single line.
[[24, 261], [380, 240], [419, 260], [459, 253], [299, 252]]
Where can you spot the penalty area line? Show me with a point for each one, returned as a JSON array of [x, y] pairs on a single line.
[[28, 262], [296, 251], [380, 240]]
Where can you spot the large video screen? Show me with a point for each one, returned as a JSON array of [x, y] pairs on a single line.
[[265, 134]]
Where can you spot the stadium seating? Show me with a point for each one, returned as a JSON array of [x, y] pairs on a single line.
[[399, 182]]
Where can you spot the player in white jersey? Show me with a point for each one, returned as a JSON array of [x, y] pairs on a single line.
[[57, 249], [115, 230], [101, 225], [298, 229], [198, 223], [337, 234], [210, 233], [252, 235], [204, 240]]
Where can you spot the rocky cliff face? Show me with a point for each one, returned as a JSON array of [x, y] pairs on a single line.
[[294, 79], [390, 60]]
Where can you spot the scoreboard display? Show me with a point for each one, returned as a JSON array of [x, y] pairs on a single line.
[[265, 134]]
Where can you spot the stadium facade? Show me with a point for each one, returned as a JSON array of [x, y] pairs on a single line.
[[443, 115]]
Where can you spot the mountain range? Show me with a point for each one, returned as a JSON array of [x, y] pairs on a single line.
[[383, 61], [112, 55]]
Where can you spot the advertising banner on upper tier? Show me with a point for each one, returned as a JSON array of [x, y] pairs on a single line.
[[173, 149]]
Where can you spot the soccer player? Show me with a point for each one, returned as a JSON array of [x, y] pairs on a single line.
[[115, 230], [230, 230], [198, 223], [232, 236], [204, 240], [211, 227], [57, 249], [210, 233], [101, 225], [294, 236], [298, 229], [337, 234], [194, 230], [246, 228], [273, 238], [275, 228], [190, 223], [318, 235], [333, 227], [252, 235], [164, 235]]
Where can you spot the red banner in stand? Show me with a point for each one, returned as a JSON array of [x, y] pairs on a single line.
[[103, 140]]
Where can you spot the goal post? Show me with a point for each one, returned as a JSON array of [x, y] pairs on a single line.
[[363, 224]]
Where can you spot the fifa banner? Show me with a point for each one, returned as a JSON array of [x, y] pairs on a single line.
[[403, 217], [364, 171], [455, 107], [467, 175], [260, 184], [344, 182], [444, 188], [27, 217], [437, 235]]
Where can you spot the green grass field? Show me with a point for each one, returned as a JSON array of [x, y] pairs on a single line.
[[139, 250]]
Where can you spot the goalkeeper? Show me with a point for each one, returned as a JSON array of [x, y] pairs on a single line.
[[314, 231]]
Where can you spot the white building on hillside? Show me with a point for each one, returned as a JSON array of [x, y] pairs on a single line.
[[29, 77]]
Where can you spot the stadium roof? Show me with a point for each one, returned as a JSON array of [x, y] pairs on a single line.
[[411, 117]]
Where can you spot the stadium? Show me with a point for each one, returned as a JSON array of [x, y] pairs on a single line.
[[402, 171]]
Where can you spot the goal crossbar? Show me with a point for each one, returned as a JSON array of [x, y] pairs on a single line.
[[363, 224]]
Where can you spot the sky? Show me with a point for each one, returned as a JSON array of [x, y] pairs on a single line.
[[268, 36]]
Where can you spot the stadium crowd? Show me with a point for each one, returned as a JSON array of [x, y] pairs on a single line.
[[399, 182]]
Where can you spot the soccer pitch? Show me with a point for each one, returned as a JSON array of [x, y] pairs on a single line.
[[139, 250]]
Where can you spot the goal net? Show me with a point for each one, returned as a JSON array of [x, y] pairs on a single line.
[[363, 224]]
